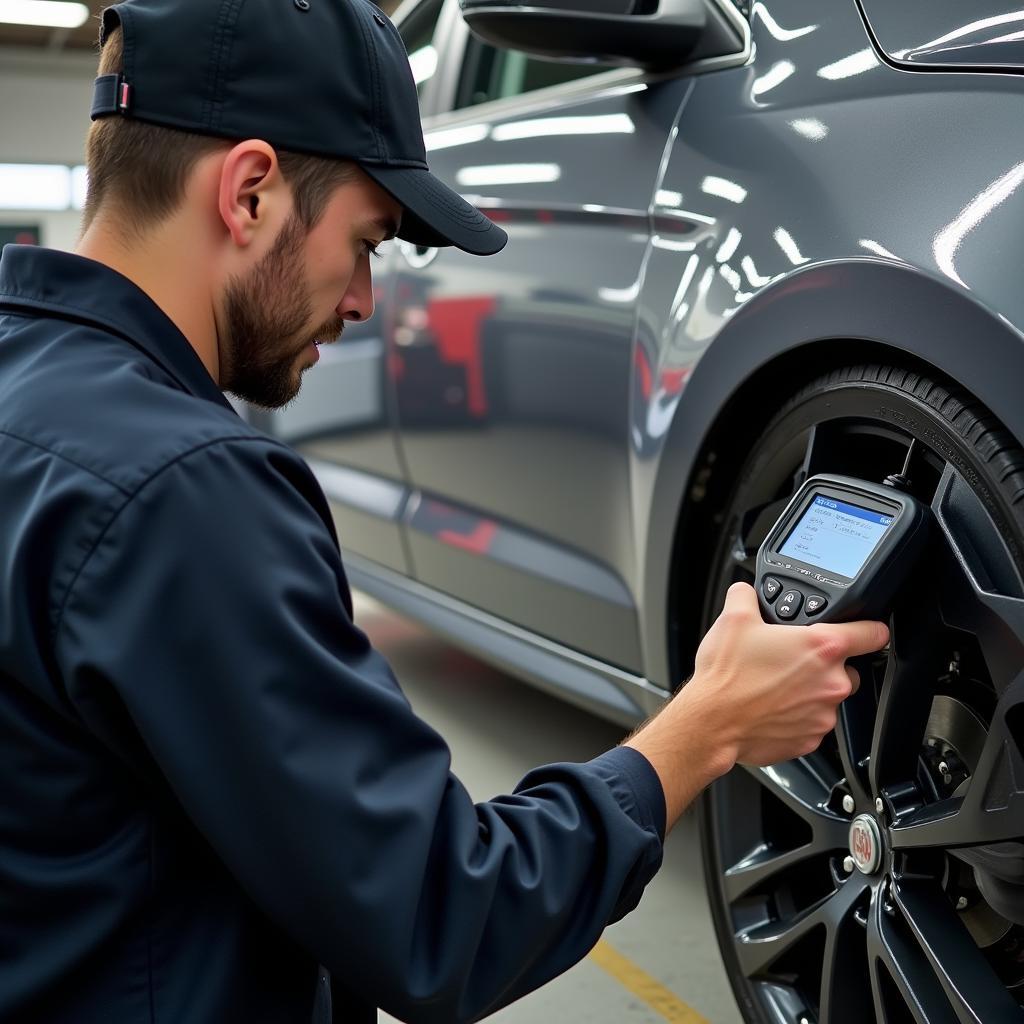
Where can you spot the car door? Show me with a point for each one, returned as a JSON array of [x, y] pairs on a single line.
[[512, 374]]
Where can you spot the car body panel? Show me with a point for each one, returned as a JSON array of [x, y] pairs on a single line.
[[948, 34], [849, 246], [513, 372]]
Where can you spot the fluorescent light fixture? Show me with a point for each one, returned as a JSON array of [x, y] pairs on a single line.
[[876, 247], [35, 187], [784, 35], [45, 13], [666, 197], [79, 186], [810, 128], [731, 277], [773, 77], [750, 269], [508, 174], [423, 63], [723, 188], [856, 64], [599, 124], [728, 248], [444, 138], [948, 241], [789, 247], [620, 294]]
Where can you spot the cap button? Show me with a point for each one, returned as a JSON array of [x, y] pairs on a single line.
[[303, 5], [379, 18]]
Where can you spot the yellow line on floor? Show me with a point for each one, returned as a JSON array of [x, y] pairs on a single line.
[[643, 986]]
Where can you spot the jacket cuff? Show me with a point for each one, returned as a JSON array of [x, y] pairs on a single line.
[[635, 785]]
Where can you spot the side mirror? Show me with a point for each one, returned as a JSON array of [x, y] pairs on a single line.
[[652, 34]]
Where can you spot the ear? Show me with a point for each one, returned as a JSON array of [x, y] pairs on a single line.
[[251, 191]]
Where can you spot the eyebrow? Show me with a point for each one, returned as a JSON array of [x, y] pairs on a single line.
[[387, 225]]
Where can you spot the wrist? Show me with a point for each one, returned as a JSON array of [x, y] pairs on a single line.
[[687, 747]]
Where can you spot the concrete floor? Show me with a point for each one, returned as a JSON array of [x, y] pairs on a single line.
[[661, 962]]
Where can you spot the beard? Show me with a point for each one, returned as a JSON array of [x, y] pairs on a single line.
[[266, 329]]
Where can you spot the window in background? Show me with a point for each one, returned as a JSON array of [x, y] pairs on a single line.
[[493, 74], [417, 32]]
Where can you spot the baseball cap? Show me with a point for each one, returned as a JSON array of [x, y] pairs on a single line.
[[329, 78]]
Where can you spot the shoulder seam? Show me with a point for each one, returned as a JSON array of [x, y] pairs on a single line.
[[131, 495], [63, 458]]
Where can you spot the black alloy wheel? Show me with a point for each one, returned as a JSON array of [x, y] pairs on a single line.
[[927, 757]]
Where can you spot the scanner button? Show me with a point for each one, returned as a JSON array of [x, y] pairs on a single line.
[[789, 604], [770, 588], [815, 604]]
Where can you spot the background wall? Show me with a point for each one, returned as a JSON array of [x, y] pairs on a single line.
[[44, 117]]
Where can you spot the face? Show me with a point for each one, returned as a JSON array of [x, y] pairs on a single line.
[[301, 293]]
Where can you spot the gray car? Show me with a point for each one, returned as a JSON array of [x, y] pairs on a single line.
[[746, 246]]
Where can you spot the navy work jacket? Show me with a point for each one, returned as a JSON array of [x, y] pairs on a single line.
[[211, 783]]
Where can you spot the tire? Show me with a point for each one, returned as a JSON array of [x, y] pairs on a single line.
[[935, 735]]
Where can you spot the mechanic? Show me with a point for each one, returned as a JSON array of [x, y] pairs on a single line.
[[213, 784]]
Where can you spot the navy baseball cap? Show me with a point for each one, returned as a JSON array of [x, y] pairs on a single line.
[[326, 77]]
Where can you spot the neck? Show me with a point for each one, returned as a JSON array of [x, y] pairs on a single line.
[[163, 263]]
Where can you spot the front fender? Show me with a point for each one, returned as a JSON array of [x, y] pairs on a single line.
[[821, 309]]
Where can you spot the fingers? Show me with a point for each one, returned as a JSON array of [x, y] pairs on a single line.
[[854, 678], [853, 638], [741, 597]]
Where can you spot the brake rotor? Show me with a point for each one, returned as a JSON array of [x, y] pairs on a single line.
[[955, 729]]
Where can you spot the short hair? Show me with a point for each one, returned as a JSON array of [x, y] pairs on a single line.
[[143, 169]]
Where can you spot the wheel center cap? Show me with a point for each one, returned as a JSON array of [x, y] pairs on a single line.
[[866, 843]]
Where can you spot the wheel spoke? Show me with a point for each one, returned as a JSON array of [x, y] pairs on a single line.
[[762, 945], [764, 863], [803, 789], [905, 701], [972, 988], [854, 729], [843, 1000], [892, 953]]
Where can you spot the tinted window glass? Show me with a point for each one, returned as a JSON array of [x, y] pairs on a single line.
[[492, 74], [417, 32]]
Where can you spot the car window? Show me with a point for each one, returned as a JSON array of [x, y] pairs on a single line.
[[417, 32], [492, 74]]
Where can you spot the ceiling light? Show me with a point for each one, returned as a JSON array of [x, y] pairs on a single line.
[[46, 13]]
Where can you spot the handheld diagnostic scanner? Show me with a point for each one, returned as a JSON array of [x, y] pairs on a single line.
[[840, 551]]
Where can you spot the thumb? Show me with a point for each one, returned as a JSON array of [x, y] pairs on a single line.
[[741, 597]]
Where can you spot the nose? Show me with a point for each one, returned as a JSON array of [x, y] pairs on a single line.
[[357, 304]]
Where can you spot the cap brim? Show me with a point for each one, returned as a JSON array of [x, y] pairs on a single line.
[[434, 214]]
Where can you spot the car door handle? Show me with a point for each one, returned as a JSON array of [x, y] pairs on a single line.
[[418, 256]]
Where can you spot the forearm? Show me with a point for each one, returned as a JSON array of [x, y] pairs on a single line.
[[687, 749]]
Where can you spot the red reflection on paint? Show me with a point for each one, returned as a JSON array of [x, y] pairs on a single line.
[[456, 325], [478, 541], [672, 381], [643, 369]]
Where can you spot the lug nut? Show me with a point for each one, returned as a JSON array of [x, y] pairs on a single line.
[[961, 904], [879, 806], [848, 804], [848, 865]]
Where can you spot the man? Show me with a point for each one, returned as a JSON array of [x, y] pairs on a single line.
[[212, 783]]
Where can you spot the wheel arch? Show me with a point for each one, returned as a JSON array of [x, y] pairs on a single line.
[[821, 317]]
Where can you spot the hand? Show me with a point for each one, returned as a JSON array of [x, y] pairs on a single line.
[[773, 691], [760, 694]]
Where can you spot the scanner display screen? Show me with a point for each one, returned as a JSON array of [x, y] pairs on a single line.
[[836, 536]]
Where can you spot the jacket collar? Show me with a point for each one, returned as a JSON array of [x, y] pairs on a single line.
[[62, 285]]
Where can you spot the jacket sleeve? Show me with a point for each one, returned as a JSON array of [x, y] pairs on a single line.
[[216, 608]]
